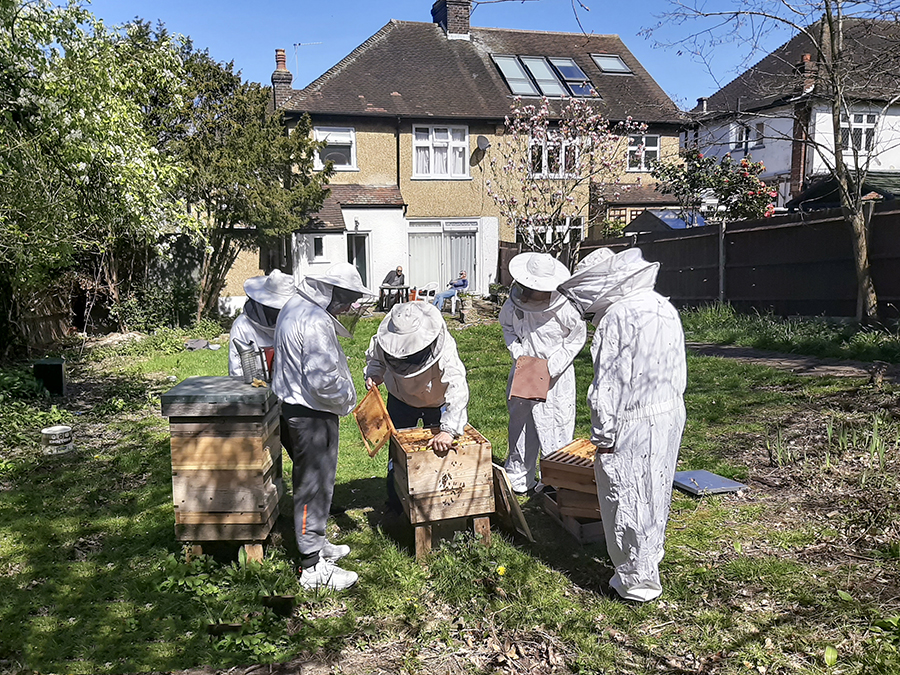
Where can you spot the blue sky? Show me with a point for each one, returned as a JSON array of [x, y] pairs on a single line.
[[327, 30]]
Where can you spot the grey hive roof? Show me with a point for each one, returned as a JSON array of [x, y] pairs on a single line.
[[872, 63], [412, 70]]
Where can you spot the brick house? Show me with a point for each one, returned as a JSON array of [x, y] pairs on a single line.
[[409, 116]]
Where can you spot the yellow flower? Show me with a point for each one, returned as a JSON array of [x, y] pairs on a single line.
[[501, 570]]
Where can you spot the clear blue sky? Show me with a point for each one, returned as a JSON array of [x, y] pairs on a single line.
[[327, 30]]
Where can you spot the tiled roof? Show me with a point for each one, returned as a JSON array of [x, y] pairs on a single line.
[[330, 216], [633, 195], [872, 65], [411, 70]]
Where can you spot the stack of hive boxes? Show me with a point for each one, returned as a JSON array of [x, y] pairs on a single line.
[[226, 460], [573, 501]]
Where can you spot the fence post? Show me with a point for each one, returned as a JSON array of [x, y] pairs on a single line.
[[722, 261]]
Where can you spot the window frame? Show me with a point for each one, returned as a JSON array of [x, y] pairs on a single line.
[[741, 138], [624, 70], [546, 144], [644, 166], [321, 133], [525, 74], [867, 130], [450, 145]]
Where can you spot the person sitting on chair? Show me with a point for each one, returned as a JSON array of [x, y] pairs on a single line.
[[389, 298], [454, 287]]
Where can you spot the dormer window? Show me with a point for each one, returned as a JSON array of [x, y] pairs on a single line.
[[611, 63], [540, 76]]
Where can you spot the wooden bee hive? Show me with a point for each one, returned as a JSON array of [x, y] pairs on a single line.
[[574, 504], [432, 487], [226, 460]]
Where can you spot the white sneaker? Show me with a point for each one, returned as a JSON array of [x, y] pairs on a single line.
[[333, 552], [327, 575]]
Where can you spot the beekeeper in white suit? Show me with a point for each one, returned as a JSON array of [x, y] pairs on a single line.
[[637, 409], [416, 358], [537, 321], [266, 295], [312, 379]]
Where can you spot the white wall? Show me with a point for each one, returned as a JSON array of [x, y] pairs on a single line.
[[387, 239], [886, 154], [716, 140]]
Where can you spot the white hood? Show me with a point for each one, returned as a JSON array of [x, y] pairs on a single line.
[[319, 292], [594, 287]]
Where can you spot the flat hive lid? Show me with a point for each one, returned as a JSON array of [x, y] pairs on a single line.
[[213, 395], [700, 482]]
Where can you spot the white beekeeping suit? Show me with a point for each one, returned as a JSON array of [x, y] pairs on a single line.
[[415, 356], [537, 321], [637, 409], [266, 295]]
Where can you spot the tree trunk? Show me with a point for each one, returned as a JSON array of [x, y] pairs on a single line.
[[867, 300]]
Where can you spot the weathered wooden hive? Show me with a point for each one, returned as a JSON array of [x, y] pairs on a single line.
[[226, 459], [432, 487]]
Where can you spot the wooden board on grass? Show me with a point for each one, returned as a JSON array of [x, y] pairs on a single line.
[[507, 508]]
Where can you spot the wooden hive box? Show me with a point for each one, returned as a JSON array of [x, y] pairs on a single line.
[[226, 459], [431, 487], [570, 470]]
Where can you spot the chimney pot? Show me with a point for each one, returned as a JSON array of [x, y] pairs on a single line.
[[281, 80], [702, 103], [280, 60]]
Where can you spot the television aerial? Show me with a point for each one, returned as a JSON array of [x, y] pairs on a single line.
[[296, 61]]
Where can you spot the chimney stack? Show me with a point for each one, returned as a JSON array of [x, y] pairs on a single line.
[[453, 17], [281, 80], [807, 70], [701, 103]]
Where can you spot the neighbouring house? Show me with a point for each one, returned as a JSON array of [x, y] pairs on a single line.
[[780, 110], [410, 117]]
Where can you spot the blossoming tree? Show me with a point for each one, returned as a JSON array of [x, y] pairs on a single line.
[[549, 156], [723, 190]]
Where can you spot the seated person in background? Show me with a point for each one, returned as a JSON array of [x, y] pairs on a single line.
[[454, 287], [266, 295], [395, 278], [415, 357]]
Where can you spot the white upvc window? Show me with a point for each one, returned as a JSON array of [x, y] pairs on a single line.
[[759, 135], [553, 157], [740, 138], [643, 151], [340, 148], [440, 152], [858, 132]]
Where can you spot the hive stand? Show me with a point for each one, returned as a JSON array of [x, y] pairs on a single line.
[[573, 504], [226, 462]]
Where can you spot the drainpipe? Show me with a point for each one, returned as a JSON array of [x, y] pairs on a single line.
[[397, 141]]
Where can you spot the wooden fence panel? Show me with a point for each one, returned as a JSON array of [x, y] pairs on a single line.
[[791, 265]]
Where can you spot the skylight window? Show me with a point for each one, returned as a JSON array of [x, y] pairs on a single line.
[[538, 75], [544, 75], [574, 77], [516, 77], [611, 63]]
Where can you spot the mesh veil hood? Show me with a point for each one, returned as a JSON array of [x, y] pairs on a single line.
[[604, 278]]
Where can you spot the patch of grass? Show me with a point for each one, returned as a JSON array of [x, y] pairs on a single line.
[[720, 324], [92, 580]]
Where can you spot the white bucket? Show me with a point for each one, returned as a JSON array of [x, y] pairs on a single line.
[[57, 440]]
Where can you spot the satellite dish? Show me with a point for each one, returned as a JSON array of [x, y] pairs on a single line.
[[482, 142]]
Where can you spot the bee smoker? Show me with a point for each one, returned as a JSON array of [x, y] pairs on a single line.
[[253, 361]]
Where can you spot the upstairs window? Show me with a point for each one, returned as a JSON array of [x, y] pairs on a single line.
[[574, 77], [553, 157], [858, 132], [741, 138], [440, 152], [643, 151], [341, 148], [611, 63], [540, 76], [759, 135]]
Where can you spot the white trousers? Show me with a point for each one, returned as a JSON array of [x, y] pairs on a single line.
[[634, 485], [539, 428]]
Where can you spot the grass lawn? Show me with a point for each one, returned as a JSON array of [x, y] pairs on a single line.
[[799, 574]]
